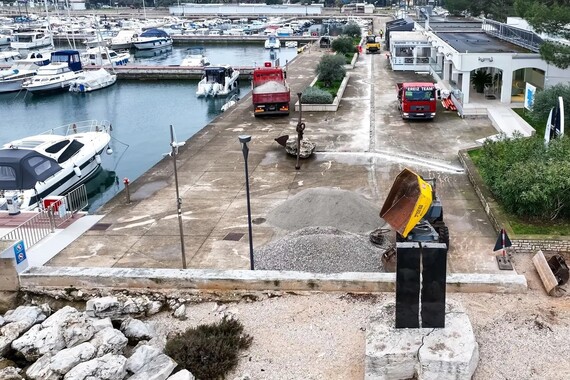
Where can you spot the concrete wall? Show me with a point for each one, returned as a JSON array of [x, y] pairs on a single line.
[[86, 279], [8, 275]]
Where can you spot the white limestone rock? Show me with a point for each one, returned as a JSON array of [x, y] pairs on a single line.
[[2, 321], [66, 359], [149, 363], [100, 324], [180, 312], [136, 330], [107, 367], [41, 370], [33, 313], [65, 328], [109, 341], [130, 306], [103, 307], [10, 373], [153, 308], [182, 375]]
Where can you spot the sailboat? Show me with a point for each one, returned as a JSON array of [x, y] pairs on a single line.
[[92, 80]]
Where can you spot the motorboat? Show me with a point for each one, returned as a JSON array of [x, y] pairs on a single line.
[[93, 80], [152, 39], [291, 44], [218, 81], [102, 56], [52, 163], [26, 40], [64, 68], [123, 39], [272, 42], [22, 69], [8, 56], [5, 37], [195, 58], [150, 53]]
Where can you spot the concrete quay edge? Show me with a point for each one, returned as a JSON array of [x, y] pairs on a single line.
[[43, 278]]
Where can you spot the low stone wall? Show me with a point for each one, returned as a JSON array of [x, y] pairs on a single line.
[[326, 107], [521, 243], [40, 279]]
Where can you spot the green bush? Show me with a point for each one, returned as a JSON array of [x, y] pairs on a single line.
[[314, 95], [530, 180], [331, 68], [343, 45], [352, 29], [209, 351], [545, 100]]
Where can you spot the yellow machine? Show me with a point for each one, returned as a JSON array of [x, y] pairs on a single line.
[[372, 44], [414, 211]]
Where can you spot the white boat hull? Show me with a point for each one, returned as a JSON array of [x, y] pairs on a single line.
[[93, 80], [11, 85], [214, 89], [60, 85], [155, 43]]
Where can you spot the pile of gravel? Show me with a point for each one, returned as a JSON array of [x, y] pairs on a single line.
[[326, 207], [321, 250]]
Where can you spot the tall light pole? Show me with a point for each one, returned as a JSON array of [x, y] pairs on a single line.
[[173, 153], [244, 139]]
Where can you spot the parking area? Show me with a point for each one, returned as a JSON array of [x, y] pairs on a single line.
[[361, 148]]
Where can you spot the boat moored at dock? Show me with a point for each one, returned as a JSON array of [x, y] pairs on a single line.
[[218, 81], [64, 68], [12, 79], [93, 80], [152, 39], [52, 163]]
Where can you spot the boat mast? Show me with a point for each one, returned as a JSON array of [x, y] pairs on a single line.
[[49, 25]]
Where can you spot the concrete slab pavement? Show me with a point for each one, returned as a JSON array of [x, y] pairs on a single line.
[[361, 147]]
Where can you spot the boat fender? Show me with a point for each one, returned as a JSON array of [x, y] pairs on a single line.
[[77, 171], [109, 151], [98, 159]]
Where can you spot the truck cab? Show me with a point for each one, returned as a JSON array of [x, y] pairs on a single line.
[[417, 100]]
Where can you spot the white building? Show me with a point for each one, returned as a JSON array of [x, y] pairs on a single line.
[[246, 9]]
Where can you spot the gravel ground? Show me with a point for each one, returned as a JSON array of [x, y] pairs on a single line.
[[322, 336], [321, 250]]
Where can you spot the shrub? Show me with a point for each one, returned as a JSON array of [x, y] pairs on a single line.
[[352, 29], [314, 95], [209, 351], [343, 45], [545, 100], [529, 179], [331, 68]]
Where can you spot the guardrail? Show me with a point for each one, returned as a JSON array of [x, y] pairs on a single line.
[[47, 220]]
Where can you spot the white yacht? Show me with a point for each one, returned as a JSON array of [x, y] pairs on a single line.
[[272, 42], [52, 163], [22, 69], [100, 56], [30, 40], [123, 39], [64, 68], [93, 80], [8, 56], [5, 37], [195, 58], [218, 81], [152, 39]]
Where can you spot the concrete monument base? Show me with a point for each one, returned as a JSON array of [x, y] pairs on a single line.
[[424, 353]]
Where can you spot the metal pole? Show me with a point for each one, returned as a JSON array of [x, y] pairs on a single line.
[[173, 153], [300, 128], [244, 139]]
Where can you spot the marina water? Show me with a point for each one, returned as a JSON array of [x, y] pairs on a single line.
[[140, 112]]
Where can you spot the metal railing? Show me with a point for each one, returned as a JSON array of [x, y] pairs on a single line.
[[523, 38], [47, 220], [82, 127]]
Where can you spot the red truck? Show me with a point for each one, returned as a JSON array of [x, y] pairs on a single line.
[[271, 93], [417, 100]]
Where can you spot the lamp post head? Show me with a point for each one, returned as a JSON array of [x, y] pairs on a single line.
[[244, 139]]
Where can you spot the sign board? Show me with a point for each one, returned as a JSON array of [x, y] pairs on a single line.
[[529, 92], [555, 122], [20, 254]]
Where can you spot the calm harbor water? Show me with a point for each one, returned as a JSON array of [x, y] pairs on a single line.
[[140, 113]]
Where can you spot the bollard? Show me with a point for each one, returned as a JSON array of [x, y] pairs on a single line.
[[128, 193]]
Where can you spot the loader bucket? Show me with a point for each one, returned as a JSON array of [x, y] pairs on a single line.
[[408, 201]]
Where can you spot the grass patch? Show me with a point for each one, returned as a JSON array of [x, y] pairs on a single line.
[[474, 154], [333, 89], [539, 127], [524, 227]]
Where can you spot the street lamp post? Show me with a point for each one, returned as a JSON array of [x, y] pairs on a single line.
[[244, 139], [173, 153]]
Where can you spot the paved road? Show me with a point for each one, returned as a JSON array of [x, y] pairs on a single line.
[[361, 147]]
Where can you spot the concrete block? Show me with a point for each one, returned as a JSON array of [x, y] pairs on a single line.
[[425, 354]]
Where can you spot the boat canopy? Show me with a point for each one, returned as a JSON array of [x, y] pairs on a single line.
[[154, 33], [21, 169]]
